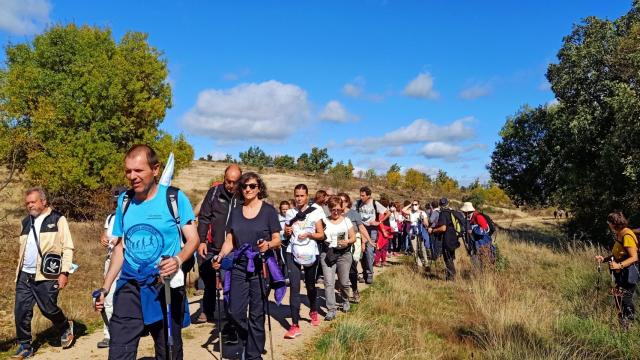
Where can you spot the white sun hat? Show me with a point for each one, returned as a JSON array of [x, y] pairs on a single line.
[[467, 207]]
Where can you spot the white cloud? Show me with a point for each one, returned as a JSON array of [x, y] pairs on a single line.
[[335, 111], [218, 155], [441, 150], [267, 111], [419, 131], [396, 151], [552, 102], [380, 165], [421, 87], [356, 89], [476, 91], [235, 76], [544, 86], [24, 17]]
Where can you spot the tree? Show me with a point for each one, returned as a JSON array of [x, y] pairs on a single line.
[[340, 175], [209, 157], [317, 161], [581, 154], [414, 179], [229, 159], [284, 162], [393, 176], [73, 101], [370, 175], [254, 156]]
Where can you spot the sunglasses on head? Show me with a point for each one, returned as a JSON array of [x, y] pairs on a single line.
[[250, 186]]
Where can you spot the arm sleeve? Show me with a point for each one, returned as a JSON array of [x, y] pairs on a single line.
[[205, 217], [67, 244], [118, 231], [629, 241], [229, 226], [357, 218], [184, 209], [441, 219]]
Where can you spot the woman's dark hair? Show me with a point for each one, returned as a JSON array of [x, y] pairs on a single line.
[[617, 220], [384, 202], [284, 202], [334, 201], [303, 187], [406, 202], [262, 194], [434, 204], [347, 199]]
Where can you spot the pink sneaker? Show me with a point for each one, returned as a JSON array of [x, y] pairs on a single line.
[[315, 321], [294, 331]]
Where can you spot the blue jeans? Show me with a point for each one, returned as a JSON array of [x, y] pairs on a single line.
[[407, 239]]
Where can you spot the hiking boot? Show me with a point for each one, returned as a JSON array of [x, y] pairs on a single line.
[[66, 340], [356, 297], [230, 337], [346, 306], [360, 279], [315, 321], [24, 351], [104, 343], [294, 331], [330, 316], [369, 281]]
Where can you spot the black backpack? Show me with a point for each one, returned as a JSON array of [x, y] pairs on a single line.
[[172, 204], [492, 225]]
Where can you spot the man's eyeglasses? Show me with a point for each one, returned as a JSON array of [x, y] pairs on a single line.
[[250, 186]]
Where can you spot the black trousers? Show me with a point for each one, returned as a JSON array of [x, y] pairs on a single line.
[[353, 276], [127, 326], [295, 275], [245, 293], [45, 294], [208, 277]]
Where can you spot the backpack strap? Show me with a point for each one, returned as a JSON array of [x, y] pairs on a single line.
[[126, 201]]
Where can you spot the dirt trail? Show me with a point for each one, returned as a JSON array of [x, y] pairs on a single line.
[[200, 341]]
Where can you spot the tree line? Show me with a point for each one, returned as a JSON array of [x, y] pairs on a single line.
[[581, 153]]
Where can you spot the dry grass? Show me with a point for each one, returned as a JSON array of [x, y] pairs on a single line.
[[544, 304]]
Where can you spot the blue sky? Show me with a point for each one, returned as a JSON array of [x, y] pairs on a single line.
[[425, 84]]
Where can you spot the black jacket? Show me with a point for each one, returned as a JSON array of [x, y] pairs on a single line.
[[215, 211]]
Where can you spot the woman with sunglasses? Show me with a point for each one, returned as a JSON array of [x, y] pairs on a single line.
[[336, 256], [414, 214], [356, 220], [252, 230]]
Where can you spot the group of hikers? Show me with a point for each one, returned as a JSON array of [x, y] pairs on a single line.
[[245, 249]]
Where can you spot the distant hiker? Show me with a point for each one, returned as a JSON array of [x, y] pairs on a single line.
[[335, 257], [304, 231], [282, 214], [446, 237], [623, 264], [555, 214], [357, 249], [214, 214], [478, 236], [405, 240], [44, 262], [372, 213], [108, 241], [320, 200], [396, 221], [253, 229], [385, 235], [151, 222], [415, 215]]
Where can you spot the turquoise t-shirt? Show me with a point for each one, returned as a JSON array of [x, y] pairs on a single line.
[[149, 230]]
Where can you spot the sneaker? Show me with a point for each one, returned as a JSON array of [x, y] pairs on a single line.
[[369, 281], [66, 340], [24, 351], [294, 331], [330, 316], [103, 344], [314, 318], [356, 297], [360, 279], [346, 306]]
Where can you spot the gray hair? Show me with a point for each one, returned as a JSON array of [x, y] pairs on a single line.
[[42, 192]]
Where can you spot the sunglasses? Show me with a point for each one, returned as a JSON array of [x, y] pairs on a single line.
[[250, 186], [415, 204], [336, 210]]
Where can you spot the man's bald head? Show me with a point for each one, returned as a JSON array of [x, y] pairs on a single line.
[[231, 176]]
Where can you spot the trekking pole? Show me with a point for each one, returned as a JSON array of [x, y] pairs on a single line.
[[96, 295], [218, 286], [265, 301], [167, 300]]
